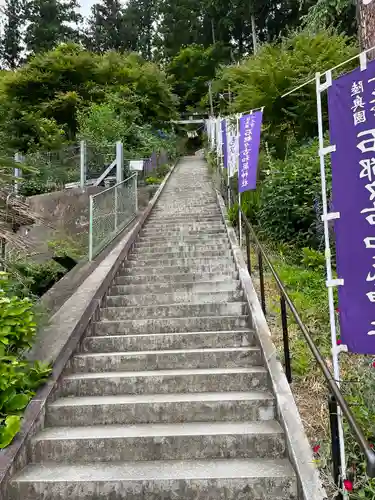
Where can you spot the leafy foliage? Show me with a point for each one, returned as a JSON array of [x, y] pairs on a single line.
[[289, 197], [10, 48], [327, 13], [18, 378], [192, 68], [41, 101], [39, 277], [284, 66], [106, 27], [49, 23]]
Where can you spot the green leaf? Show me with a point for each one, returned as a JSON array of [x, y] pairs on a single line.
[[9, 430], [17, 402]]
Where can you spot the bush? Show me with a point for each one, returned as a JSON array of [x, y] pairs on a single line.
[[153, 180], [39, 277], [290, 199], [18, 378]]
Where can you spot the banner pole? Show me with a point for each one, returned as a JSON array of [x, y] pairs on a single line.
[[228, 187], [239, 219], [330, 282], [238, 173]]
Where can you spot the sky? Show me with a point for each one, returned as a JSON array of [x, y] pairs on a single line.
[[85, 5]]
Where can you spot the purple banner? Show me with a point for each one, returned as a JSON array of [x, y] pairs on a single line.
[[224, 142], [250, 128], [351, 104]]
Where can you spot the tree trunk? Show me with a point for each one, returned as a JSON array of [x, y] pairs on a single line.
[[366, 25]]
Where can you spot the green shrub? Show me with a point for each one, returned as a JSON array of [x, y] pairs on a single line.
[[162, 171], [39, 277], [313, 259], [153, 180], [18, 378], [290, 197], [66, 247]]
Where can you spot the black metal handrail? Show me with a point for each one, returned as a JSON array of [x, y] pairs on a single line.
[[336, 397]]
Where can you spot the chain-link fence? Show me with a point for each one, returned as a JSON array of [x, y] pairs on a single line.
[[98, 158], [46, 171], [111, 211]]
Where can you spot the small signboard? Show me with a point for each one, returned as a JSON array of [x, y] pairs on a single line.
[[136, 165]]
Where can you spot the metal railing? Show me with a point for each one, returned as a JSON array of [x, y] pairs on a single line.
[[336, 398], [111, 211]]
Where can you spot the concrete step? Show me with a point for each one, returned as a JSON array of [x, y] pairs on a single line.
[[161, 408], [189, 239], [166, 381], [187, 208], [176, 262], [164, 341], [188, 223], [168, 248], [182, 232], [192, 254], [168, 288], [173, 311], [201, 261], [211, 267], [141, 279], [166, 219], [171, 325], [225, 357], [186, 441], [173, 298], [236, 479], [190, 212]]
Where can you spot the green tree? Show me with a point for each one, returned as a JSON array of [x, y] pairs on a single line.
[[50, 23], [43, 97], [191, 70], [106, 27], [11, 41], [140, 17], [340, 14], [180, 24], [261, 80]]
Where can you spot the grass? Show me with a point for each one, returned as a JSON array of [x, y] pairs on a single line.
[[305, 283]]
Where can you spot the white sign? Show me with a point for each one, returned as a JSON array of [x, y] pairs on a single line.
[[136, 165]]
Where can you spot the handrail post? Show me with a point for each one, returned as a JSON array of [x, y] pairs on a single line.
[[335, 443], [284, 322], [261, 280], [248, 248]]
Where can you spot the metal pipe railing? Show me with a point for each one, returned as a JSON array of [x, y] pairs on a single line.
[[336, 397]]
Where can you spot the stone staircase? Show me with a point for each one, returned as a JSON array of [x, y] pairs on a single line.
[[168, 398]]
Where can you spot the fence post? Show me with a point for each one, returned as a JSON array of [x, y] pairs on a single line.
[[18, 158], [284, 322], [119, 162], [136, 192], [116, 207], [335, 442], [248, 248], [83, 166], [91, 227]]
